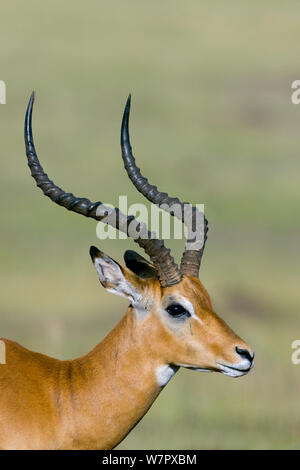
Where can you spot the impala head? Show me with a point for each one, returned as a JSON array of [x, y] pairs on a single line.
[[185, 331], [169, 301]]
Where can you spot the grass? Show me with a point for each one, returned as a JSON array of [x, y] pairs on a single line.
[[212, 122]]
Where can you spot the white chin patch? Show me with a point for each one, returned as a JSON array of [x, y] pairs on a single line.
[[234, 372], [164, 374]]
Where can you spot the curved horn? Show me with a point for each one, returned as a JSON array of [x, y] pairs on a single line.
[[191, 259], [168, 272]]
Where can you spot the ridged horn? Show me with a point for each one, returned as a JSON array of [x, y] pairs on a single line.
[[191, 258], [167, 270]]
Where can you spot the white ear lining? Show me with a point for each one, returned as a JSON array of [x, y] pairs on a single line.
[[107, 269], [112, 278]]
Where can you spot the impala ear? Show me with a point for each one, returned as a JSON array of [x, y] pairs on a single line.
[[139, 265], [115, 278]]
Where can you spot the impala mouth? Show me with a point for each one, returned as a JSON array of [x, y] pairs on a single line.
[[235, 371], [231, 371], [198, 369]]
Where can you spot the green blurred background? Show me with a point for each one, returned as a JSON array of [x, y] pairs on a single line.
[[212, 122]]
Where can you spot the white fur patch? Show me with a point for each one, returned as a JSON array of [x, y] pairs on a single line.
[[189, 307], [164, 374], [237, 370]]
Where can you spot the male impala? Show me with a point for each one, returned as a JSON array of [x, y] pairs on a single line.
[[94, 401]]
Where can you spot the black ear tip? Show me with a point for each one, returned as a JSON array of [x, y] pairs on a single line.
[[130, 255], [94, 252]]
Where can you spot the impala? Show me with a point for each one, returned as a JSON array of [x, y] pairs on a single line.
[[93, 402]]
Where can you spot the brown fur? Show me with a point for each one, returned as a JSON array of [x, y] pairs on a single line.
[[94, 401]]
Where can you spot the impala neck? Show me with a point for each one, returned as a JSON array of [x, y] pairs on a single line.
[[123, 375]]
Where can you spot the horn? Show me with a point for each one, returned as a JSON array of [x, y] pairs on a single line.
[[191, 258], [167, 270]]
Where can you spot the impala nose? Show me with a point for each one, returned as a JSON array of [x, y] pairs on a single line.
[[245, 354]]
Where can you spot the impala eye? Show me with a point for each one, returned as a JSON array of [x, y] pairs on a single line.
[[177, 311]]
